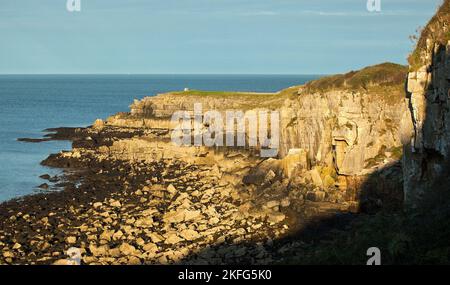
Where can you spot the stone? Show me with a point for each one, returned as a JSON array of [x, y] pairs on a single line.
[[285, 202], [117, 235], [315, 177], [150, 247], [115, 204], [65, 262], [189, 235], [98, 124], [328, 181], [107, 235], [174, 216], [315, 196], [296, 158], [71, 240], [191, 215], [155, 237], [171, 189], [44, 186], [275, 217], [272, 204], [127, 249], [133, 260], [269, 176], [172, 238], [45, 177], [144, 222], [8, 254], [98, 251], [213, 220], [258, 174]]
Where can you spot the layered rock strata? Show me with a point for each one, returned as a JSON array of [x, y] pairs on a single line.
[[427, 152]]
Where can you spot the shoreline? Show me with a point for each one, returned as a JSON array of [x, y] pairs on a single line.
[[167, 210]]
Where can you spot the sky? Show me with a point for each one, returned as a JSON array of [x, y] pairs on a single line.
[[206, 36]]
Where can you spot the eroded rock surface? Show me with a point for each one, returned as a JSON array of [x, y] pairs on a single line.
[[426, 161]]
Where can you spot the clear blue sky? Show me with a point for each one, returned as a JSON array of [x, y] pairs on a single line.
[[206, 36]]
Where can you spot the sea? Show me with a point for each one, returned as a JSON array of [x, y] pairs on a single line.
[[29, 104]]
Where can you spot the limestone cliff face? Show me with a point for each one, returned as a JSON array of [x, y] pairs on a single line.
[[352, 125], [156, 111], [164, 105], [353, 131], [427, 154]]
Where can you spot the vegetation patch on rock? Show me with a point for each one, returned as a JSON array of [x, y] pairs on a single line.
[[437, 30]]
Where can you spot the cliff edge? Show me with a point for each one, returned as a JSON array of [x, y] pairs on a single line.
[[427, 154]]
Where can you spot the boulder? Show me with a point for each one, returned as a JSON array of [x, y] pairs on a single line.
[[315, 177], [296, 158], [172, 238], [127, 249], [189, 235], [99, 251], [315, 196], [275, 217], [71, 240]]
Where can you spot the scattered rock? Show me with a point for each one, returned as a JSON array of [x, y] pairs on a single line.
[[45, 177], [171, 189], [275, 217], [44, 186], [191, 215], [316, 196], [116, 204], [99, 251], [71, 240], [127, 249], [172, 238], [189, 235]]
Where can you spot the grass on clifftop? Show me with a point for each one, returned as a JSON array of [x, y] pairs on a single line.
[[381, 75], [437, 29], [234, 99], [219, 93], [385, 80]]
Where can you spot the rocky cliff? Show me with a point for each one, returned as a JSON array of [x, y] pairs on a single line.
[[334, 132], [346, 122], [350, 122], [426, 159]]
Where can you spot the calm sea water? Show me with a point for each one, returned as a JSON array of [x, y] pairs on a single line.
[[31, 103]]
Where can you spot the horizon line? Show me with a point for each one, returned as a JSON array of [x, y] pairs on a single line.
[[294, 74]]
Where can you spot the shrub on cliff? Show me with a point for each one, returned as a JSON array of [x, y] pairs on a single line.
[[437, 30], [372, 77]]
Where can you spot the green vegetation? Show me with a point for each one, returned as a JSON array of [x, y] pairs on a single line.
[[221, 94], [385, 81], [437, 29], [368, 79], [242, 100], [291, 92], [371, 162], [397, 152]]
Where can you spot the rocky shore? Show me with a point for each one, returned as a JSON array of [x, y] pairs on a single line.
[[158, 210]]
